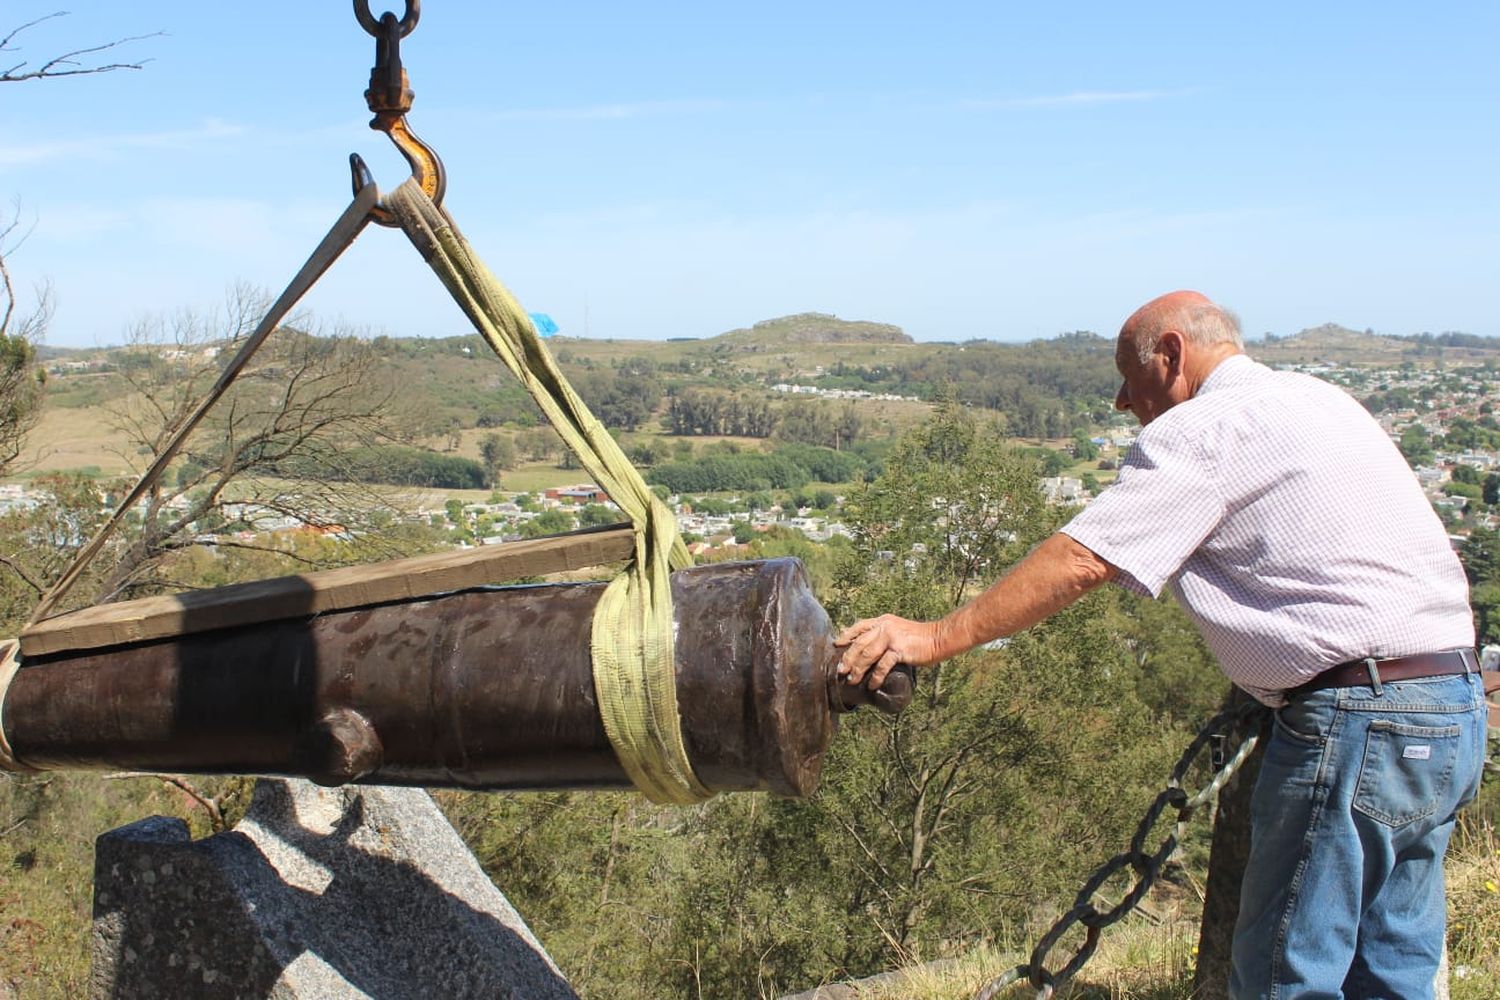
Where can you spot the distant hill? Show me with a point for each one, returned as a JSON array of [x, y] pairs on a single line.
[[813, 328], [1332, 342], [1329, 342], [1334, 334]]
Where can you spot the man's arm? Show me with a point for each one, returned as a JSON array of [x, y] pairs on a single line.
[[1055, 574]]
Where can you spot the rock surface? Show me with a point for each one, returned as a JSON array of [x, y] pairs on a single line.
[[327, 893]]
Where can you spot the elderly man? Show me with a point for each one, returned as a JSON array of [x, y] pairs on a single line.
[[1295, 536]]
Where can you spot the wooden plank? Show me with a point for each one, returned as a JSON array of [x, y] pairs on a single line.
[[331, 590]]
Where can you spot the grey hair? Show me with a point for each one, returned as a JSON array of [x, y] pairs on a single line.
[[1204, 324]]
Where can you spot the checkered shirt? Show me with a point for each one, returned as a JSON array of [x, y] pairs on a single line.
[[1289, 526]]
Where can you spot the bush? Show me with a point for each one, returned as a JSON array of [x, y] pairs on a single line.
[[730, 472], [787, 468], [389, 464]]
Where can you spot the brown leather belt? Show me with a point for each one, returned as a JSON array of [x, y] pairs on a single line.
[[1396, 668]]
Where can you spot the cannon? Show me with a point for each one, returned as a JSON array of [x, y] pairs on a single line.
[[477, 687]]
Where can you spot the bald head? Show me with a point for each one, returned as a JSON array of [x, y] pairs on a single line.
[[1192, 314], [1167, 348]]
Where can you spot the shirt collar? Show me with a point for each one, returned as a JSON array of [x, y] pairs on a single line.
[[1227, 372]]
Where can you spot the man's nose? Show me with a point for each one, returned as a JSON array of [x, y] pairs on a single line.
[[1122, 398]]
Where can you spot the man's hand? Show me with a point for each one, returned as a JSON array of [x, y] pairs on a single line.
[[1055, 574], [876, 645]]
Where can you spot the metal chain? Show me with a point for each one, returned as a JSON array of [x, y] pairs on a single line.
[[1146, 867]]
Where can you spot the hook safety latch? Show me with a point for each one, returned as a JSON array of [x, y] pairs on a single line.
[[390, 98]]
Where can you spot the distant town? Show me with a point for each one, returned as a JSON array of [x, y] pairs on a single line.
[[1442, 419]]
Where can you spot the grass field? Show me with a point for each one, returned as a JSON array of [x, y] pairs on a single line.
[[69, 438]]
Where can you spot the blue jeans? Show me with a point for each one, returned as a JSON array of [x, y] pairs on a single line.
[[1343, 896]]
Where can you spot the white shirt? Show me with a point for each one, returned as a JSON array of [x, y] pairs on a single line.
[[1289, 525]]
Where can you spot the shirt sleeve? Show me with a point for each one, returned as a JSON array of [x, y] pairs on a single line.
[[1156, 514]]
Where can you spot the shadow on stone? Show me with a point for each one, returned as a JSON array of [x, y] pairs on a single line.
[[350, 892]]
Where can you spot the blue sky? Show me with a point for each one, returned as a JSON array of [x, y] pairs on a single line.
[[639, 171]]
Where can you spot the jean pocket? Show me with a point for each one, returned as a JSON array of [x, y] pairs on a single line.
[[1302, 722], [1406, 772]]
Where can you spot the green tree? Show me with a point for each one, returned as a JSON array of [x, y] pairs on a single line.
[[954, 506], [539, 443], [847, 428], [497, 453], [1485, 600], [597, 514], [1480, 555], [550, 522], [1491, 488], [22, 380], [1084, 449], [806, 423], [36, 545], [1416, 445], [621, 401], [22, 383], [651, 451]]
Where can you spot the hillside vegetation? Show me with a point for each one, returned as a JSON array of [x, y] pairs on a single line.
[[855, 380]]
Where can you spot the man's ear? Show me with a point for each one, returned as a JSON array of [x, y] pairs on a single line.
[[1170, 344]]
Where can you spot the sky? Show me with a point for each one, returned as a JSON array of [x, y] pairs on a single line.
[[963, 170]]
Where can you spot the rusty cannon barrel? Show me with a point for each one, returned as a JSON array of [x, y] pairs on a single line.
[[484, 688]]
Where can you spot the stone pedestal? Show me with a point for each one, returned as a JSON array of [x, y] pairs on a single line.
[[326, 893]]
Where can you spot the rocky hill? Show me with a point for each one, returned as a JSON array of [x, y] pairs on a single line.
[[1330, 342], [814, 328]]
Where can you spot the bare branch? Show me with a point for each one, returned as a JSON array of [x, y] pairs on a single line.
[[886, 817], [68, 63], [11, 565], [876, 865], [21, 385], [213, 806], [6, 288], [275, 448]]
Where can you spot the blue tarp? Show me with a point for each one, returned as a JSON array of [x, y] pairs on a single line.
[[543, 323]]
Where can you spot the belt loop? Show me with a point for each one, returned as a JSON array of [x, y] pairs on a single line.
[[1374, 676]]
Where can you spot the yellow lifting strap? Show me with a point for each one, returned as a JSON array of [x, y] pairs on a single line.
[[632, 630]]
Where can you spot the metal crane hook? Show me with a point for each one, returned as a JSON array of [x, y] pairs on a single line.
[[390, 98], [409, 18]]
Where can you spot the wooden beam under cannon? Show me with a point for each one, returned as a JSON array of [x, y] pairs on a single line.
[[417, 673]]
